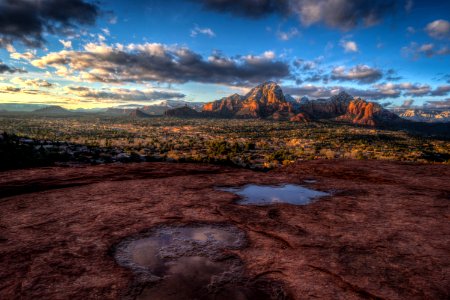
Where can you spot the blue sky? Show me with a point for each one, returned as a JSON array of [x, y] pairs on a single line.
[[98, 54]]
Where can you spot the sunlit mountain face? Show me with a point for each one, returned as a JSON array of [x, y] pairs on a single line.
[[97, 54]]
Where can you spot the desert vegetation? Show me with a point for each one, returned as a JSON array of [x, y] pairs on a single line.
[[258, 144]]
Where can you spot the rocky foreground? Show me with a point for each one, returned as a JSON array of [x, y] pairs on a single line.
[[383, 234]]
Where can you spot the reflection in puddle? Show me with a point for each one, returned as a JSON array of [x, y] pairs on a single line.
[[309, 181], [253, 194], [188, 262], [188, 278]]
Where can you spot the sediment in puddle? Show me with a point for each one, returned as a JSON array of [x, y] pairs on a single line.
[[189, 262]]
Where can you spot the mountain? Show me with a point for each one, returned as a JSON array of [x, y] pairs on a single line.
[[118, 111], [184, 112], [425, 115], [225, 107], [132, 112], [157, 109], [264, 101], [137, 113], [6, 107], [169, 104], [267, 101], [362, 112], [52, 110], [332, 107]]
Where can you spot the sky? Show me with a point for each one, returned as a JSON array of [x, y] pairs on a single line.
[[94, 54]]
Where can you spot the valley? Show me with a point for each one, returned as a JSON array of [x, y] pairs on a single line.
[[249, 143], [262, 130]]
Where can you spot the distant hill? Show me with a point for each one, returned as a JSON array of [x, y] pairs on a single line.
[[137, 113], [52, 110], [19, 107], [131, 112], [183, 112], [425, 115], [158, 109]]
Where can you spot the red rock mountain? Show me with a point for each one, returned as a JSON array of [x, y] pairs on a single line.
[[367, 113], [264, 101], [267, 101], [225, 107], [326, 108], [346, 108]]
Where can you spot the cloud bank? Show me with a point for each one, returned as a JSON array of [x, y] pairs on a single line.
[[162, 63], [121, 94], [342, 14]]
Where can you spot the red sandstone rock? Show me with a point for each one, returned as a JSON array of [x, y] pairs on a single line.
[[384, 234]]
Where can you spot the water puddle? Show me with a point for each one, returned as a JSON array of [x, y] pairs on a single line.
[[188, 262], [309, 181], [253, 194]]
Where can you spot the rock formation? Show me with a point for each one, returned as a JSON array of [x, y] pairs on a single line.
[[267, 101], [264, 101], [367, 113]]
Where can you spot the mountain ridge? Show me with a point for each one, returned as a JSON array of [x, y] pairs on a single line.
[[425, 115], [267, 101]]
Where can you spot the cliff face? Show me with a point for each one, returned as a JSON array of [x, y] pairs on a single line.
[[327, 108], [367, 113], [225, 107], [264, 101], [344, 107], [361, 112]]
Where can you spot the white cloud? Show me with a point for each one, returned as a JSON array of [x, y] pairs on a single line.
[[205, 31], [287, 35], [349, 46], [66, 44], [121, 94], [24, 56], [415, 50], [10, 48], [269, 55], [359, 73], [407, 103], [438, 29], [101, 38], [106, 31], [35, 83]]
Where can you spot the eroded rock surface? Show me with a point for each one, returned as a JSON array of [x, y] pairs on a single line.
[[383, 234]]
